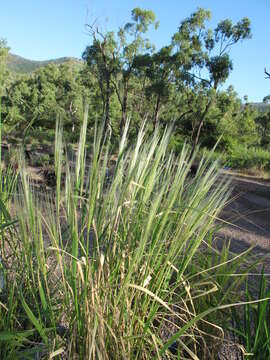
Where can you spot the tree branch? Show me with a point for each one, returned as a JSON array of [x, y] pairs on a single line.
[[267, 74]]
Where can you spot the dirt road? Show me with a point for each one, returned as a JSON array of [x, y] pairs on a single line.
[[248, 214]]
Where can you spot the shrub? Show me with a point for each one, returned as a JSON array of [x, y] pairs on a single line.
[[241, 157], [42, 160]]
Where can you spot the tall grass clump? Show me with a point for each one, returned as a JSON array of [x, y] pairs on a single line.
[[109, 265], [253, 328]]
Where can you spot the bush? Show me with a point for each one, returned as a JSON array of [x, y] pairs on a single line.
[[221, 158], [42, 160], [241, 157], [177, 142]]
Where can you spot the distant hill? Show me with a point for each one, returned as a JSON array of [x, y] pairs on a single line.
[[21, 65], [260, 106]]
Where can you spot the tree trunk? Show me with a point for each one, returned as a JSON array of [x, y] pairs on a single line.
[[195, 143], [107, 105], [156, 113], [124, 110]]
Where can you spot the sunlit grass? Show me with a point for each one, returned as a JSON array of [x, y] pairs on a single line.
[[117, 263]]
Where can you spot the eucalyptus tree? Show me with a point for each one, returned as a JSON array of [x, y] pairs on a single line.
[[266, 99], [103, 61], [4, 50], [263, 122], [159, 71], [132, 44], [203, 54], [112, 59]]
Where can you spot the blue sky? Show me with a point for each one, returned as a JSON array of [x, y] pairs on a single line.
[[46, 29]]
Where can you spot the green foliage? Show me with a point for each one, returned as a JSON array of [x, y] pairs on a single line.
[[263, 122], [123, 77], [112, 60], [239, 128], [199, 48], [4, 49], [142, 19], [266, 99], [21, 65], [38, 100], [253, 330], [242, 157], [112, 262], [219, 68]]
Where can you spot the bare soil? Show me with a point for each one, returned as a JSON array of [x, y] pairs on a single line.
[[248, 214]]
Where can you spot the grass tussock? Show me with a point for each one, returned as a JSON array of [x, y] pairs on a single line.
[[116, 263]]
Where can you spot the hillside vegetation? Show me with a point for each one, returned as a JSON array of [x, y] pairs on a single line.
[[21, 65]]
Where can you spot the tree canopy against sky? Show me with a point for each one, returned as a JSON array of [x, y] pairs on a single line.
[[56, 28], [125, 78]]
